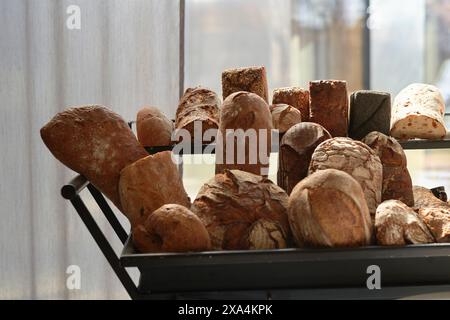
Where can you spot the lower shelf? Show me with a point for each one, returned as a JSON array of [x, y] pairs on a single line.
[[291, 269]]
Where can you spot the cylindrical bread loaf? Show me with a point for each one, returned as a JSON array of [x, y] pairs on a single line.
[[295, 97], [418, 112], [296, 150], [398, 225], [397, 183], [369, 111], [243, 211], [171, 229], [95, 142], [328, 209], [150, 183], [244, 113], [329, 106], [253, 80], [153, 128], [198, 105], [358, 160], [284, 117]]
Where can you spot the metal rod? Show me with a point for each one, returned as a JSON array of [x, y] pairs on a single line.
[[74, 187], [106, 248], [109, 214]]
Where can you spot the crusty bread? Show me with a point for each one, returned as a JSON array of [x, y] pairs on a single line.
[[296, 150], [284, 117], [243, 211], [295, 97], [246, 111], [171, 229], [198, 105], [369, 111], [418, 112], [150, 183], [397, 183], [397, 225], [329, 106], [328, 209], [253, 80], [358, 160], [153, 128], [95, 142]]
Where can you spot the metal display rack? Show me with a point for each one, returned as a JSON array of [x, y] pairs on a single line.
[[276, 274]]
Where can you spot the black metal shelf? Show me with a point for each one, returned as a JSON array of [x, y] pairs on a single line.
[[290, 273]]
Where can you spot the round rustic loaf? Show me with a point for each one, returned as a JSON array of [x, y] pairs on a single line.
[[171, 229], [153, 128], [95, 142], [328, 209], [250, 113], [243, 211], [284, 117], [397, 182], [356, 159], [150, 183], [297, 147], [397, 225]]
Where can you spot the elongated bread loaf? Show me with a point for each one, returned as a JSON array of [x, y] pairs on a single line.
[[153, 128], [328, 209], [418, 113], [150, 183], [95, 142], [198, 107], [245, 122], [253, 80]]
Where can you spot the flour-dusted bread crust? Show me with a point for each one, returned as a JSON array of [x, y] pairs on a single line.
[[250, 113], [295, 97], [95, 142], [358, 160], [396, 224], [418, 113], [369, 111], [284, 117], [198, 105], [329, 106], [153, 128], [150, 183], [397, 183], [243, 211], [296, 150], [328, 209], [253, 80], [171, 229]]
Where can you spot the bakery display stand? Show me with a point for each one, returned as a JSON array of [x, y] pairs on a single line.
[[278, 274]]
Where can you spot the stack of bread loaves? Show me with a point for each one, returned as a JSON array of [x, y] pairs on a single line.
[[342, 181]]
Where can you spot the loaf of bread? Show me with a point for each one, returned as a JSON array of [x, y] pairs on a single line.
[[150, 183], [424, 198], [95, 142], [243, 211], [329, 106], [358, 160], [253, 80], [284, 117], [397, 183], [396, 224], [418, 112], [171, 229], [296, 150], [247, 112], [199, 107], [153, 128], [369, 111], [295, 97], [328, 209]]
